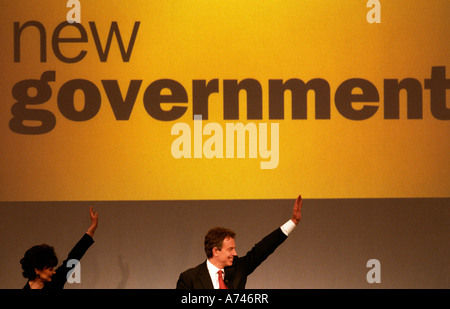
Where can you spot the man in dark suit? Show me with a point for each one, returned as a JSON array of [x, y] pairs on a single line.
[[223, 269]]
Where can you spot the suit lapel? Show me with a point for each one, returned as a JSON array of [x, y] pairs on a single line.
[[204, 278], [229, 275]]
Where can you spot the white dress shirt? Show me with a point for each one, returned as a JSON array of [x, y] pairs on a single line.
[[288, 227], [213, 273]]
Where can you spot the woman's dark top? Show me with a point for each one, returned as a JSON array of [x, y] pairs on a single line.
[[60, 276]]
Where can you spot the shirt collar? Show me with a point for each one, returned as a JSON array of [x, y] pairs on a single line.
[[212, 269]]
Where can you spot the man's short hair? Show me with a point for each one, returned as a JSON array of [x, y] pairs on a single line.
[[215, 237]]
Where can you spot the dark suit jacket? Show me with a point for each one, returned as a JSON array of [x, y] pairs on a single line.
[[60, 277], [235, 275]]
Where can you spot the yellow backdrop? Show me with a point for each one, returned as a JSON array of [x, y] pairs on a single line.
[[108, 159]]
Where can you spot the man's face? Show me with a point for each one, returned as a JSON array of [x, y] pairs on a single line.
[[226, 255]]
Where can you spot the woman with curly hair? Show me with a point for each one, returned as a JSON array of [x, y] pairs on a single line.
[[39, 261]]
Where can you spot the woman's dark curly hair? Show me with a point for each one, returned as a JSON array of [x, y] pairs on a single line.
[[38, 257]]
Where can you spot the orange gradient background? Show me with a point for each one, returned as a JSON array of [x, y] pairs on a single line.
[[106, 159]]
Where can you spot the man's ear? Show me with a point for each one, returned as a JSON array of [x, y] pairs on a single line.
[[214, 251]]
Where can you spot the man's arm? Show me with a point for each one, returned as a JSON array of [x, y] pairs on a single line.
[[268, 244]]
